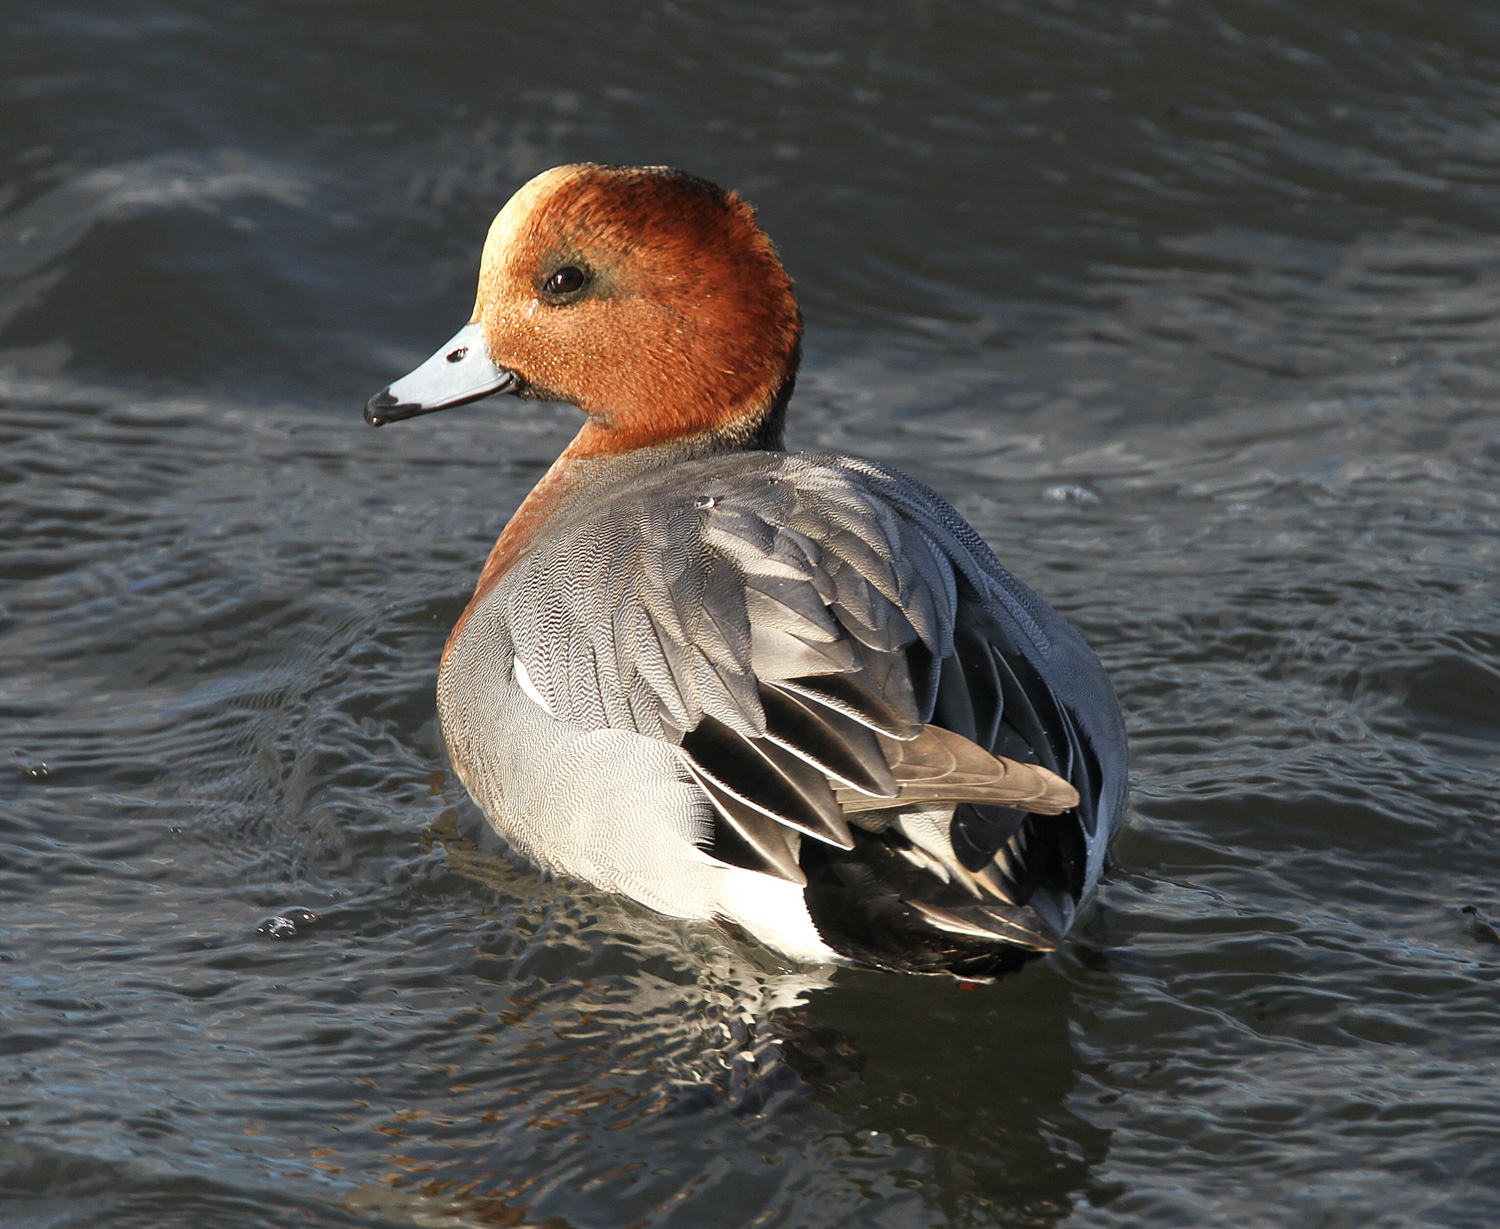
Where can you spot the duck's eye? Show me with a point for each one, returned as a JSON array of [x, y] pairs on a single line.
[[565, 281]]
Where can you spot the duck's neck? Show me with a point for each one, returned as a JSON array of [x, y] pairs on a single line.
[[686, 422], [594, 460]]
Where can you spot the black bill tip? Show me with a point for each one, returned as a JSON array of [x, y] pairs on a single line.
[[383, 408], [378, 408]]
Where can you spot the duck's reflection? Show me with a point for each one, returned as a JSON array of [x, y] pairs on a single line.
[[981, 1078], [627, 1070]]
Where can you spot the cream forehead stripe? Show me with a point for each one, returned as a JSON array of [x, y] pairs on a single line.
[[506, 229]]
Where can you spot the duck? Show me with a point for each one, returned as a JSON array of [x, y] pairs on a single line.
[[791, 693]]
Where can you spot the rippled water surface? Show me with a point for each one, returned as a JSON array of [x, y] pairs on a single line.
[[1192, 308]]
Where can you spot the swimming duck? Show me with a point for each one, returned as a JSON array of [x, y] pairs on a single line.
[[791, 692]]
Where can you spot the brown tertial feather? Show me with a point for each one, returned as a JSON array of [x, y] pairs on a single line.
[[941, 766]]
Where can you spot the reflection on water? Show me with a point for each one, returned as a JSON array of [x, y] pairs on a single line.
[[1191, 309]]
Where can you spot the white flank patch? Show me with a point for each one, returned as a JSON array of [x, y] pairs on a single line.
[[775, 912]]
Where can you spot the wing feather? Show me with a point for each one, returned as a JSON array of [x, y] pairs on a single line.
[[768, 841], [840, 747], [821, 637], [768, 779]]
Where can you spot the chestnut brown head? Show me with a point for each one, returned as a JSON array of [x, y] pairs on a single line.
[[646, 297]]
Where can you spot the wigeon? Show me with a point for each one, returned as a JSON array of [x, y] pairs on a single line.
[[789, 691]]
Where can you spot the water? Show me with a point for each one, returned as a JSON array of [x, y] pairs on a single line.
[[1191, 308]]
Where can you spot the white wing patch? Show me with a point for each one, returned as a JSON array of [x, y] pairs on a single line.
[[523, 681]]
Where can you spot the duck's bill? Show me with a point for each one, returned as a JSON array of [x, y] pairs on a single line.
[[458, 373]]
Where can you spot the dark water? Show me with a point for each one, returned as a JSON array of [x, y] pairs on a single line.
[[1193, 308]]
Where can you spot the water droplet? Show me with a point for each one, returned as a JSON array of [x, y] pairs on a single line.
[[1069, 493], [705, 501], [285, 924]]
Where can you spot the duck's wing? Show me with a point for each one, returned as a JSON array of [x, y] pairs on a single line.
[[825, 641]]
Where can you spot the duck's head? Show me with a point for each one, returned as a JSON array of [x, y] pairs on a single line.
[[648, 298]]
